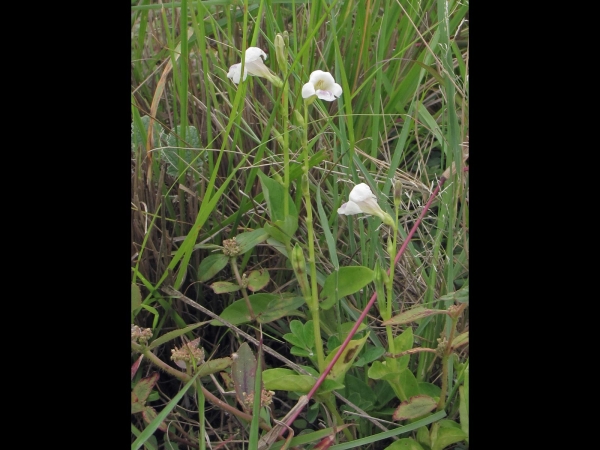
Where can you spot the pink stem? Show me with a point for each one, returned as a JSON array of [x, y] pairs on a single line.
[[368, 307]]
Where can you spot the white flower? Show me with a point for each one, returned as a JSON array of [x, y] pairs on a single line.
[[362, 200], [254, 65], [322, 85]]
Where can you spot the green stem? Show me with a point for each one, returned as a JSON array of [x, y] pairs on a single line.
[[331, 406], [286, 143], [314, 300], [202, 430], [393, 363], [244, 291], [454, 314]]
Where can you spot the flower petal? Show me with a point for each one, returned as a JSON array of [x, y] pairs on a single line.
[[325, 95], [361, 192], [319, 76], [349, 208], [257, 67], [336, 89], [235, 73], [254, 53], [308, 90]]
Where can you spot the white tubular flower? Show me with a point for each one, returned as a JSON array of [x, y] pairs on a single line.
[[362, 200], [254, 65], [322, 85]]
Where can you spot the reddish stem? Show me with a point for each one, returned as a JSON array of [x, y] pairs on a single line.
[[368, 307]]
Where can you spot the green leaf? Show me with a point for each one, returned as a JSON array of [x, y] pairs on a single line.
[[414, 407], [299, 351], [461, 296], [142, 389], [238, 313], [405, 444], [243, 373], [280, 307], [380, 371], [138, 137], [293, 339], [274, 194], [136, 297], [214, 366], [463, 408], [349, 280], [411, 315], [283, 230], [211, 265], [288, 380], [360, 390], [370, 354], [297, 328], [173, 334], [409, 387], [193, 156], [461, 339], [250, 239], [223, 287], [341, 366], [429, 389], [444, 433], [423, 437], [258, 279], [404, 341], [309, 334]]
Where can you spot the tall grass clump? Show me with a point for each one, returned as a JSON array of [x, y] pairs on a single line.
[[300, 242]]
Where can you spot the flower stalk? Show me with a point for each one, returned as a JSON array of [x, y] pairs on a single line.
[[313, 304]]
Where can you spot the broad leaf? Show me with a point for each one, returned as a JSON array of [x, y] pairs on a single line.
[[444, 433], [411, 315], [173, 334], [341, 366], [257, 280], [142, 390], [280, 307], [136, 297], [288, 380], [191, 156], [250, 239], [274, 195], [414, 407], [243, 373], [211, 265], [461, 339], [214, 366], [349, 280], [224, 287], [238, 313], [404, 444]]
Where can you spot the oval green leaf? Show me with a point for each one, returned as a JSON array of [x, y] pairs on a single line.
[[349, 280], [237, 312], [413, 314], [211, 265], [223, 287], [414, 407], [258, 279]]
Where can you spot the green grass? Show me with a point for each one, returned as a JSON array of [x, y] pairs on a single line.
[[212, 160]]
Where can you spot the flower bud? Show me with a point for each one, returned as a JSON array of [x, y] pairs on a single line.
[[299, 266], [397, 193], [305, 190], [299, 119], [280, 52]]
